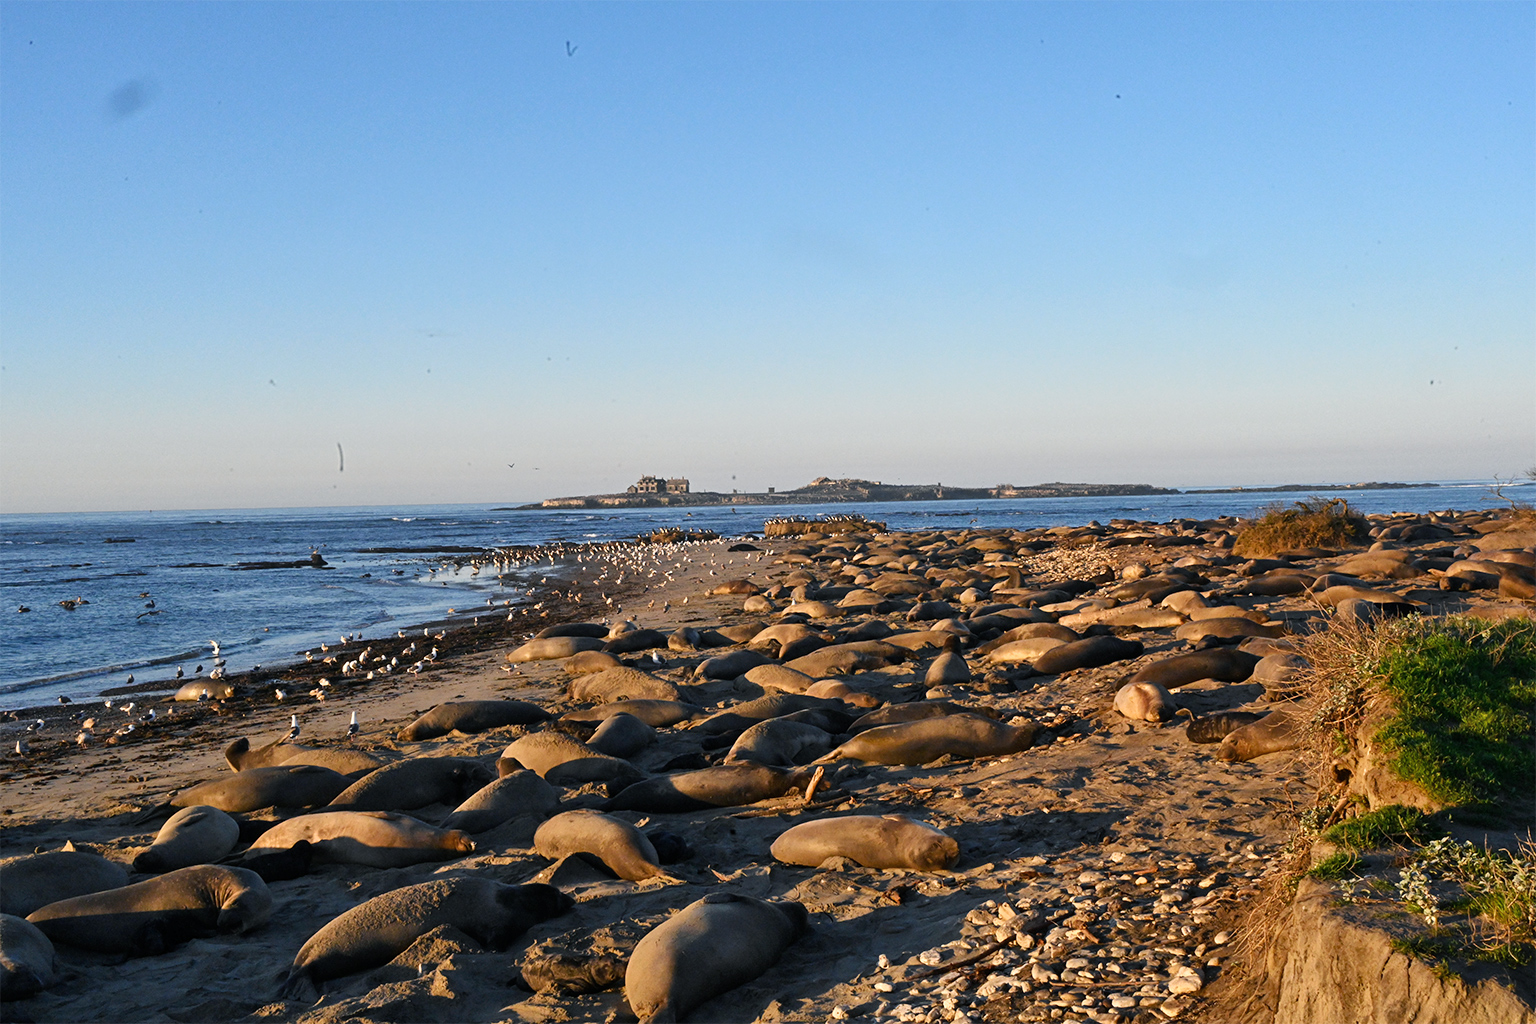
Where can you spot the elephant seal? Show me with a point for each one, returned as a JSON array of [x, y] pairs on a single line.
[[150, 917], [243, 757], [731, 785], [1089, 653], [280, 865], [1232, 628], [215, 689], [1215, 728], [658, 714], [35, 880], [1276, 731], [925, 740], [1025, 651], [622, 684], [1223, 663], [729, 666], [472, 716], [845, 659], [635, 640], [193, 835], [514, 794], [590, 630], [836, 689], [884, 842], [1367, 613], [553, 648], [376, 931], [706, 949], [617, 843], [621, 735], [892, 714], [300, 785], [588, 662], [780, 742], [377, 839], [1145, 702], [417, 782], [774, 705], [777, 677], [565, 761], [948, 669], [26, 959]]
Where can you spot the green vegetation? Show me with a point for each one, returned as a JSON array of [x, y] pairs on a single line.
[[1464, 691], [1337, 866], [1394, 825], [1313, 523]]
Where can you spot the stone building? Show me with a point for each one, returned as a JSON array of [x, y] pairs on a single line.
[[655, 485]]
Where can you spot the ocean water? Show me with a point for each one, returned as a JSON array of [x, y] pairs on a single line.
[[185, 563]]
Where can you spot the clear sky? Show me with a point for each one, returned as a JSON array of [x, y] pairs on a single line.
[[1177, 244]]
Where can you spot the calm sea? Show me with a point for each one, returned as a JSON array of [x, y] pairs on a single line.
[[183, 562]]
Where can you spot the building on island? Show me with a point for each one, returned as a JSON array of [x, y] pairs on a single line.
[[655, 485]]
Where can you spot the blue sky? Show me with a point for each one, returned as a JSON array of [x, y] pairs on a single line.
[[1178, 244]]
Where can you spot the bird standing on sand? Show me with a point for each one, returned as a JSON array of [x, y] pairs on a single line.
[[21, 746], [65, 700], [352, 727], [179, 672], [293, 730]]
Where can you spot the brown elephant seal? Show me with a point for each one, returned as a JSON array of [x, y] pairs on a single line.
[[776, 677], [925, 740], [1026, 631], [514, 794], [774, 705], [1145, 702], [845, 659], [1223, 663], [617, 843], [472, 716], [948, 669], [1368, 613], [243, 757], [1090, 653], [884, 842], [377, 839], [731, 785], [635, 640], [836, 689], [1276, 731], [588, 662], [205, 689], [1023, 652], [417, 782], [566, 761], [1229, 628], [553, 648], [150, 917], [780, 742], [280, 865], [35, 880], [27, 962], [658, 714], [301, 785], [590, 630], [376, 931], [893, 714], [729, 666], [621, 735], [622, 684], [193, 835], [706, 949], [1215, 728]]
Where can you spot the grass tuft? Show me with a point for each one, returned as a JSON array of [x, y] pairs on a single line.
[[1313, 523], [1395, 825], [1337, 866]]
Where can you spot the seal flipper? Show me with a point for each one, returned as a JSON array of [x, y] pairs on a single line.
[[149, 814], [300, 987]]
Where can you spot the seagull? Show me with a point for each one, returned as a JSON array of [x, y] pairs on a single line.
[[293, 730], [127, 709], [179, 672], [198, 670], [65, 700], [130, 679], [279, 694], [21, 746], [353, 727]]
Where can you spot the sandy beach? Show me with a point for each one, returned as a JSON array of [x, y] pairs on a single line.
[[1097, 867]]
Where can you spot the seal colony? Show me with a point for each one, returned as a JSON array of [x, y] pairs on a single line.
[[1021, 775]]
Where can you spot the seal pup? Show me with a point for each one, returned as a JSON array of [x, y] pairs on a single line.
[[516, 793], [928, 739], [417, 782], [27, 963], [1276, 731], [1215, 728], [472, 716], [1090, 653], [617, 843], [376, 931], [948, 669], [150, 917], [622, 735], [706, 949], [884, 842], [379, 839], [193, 835], [34, 880], [1145, 702]]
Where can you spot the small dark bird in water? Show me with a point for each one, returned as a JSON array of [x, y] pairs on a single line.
[[22, 608], [149, 604], [179, 672], [198, 671], [65, 700], [130, 679]]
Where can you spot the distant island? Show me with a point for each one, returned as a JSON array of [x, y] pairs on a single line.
[[656, 492]]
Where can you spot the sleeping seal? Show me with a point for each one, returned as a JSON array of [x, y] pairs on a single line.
[[472, 716], [302, 785], [1276, 731], [35, 880], [731, 785], [378, 930], [960, 736], [26, 959], [706, 949], [617, 843], [1145, 702], [148, 918], [516, 793], [193, 835], [417, 782], [1223, 663], [376, 838], [888, 841]]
